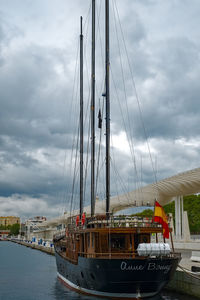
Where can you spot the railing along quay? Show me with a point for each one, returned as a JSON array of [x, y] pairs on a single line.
[[48, 250]]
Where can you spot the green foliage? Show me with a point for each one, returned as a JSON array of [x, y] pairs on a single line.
[[145, 213], [191, 204], [2, 227], [14, 229]]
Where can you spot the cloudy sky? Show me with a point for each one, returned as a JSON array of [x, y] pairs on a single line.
[[39, 96]]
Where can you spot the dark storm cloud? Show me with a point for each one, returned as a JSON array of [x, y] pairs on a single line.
[[31, 107], [172, 109], [39, 116]]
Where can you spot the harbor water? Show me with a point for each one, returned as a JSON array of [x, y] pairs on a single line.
[[28, 274]]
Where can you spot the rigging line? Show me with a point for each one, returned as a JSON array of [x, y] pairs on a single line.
[[87, 159], [126, 104], [71, 160], [99, 150], [87, 41], [75, 198], [122, 71], [141, 178], [115, 181], [122, 184], [76, 203], [73, 145], [102, 168], [86, 64], [124, 124], [124, 187], [99, 93], [71, 114], [87, 109], [101, 47], [73, 184], [190, 273], [86, 22], [86, 114], [137, 98], [116, 188], [89, 89]]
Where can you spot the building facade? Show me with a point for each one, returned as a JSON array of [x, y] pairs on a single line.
[[10, 220], [32, 224], [4, 234]]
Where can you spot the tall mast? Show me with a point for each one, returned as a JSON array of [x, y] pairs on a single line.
[[81, 119], [107, 65], [93, 113]]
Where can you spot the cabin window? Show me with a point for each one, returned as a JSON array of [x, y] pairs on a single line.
[[88, 239], [104, 243], [82, 243], [131, 243], [93, 240], [118, 241], [97, 241], [144, 238], [136, 240]]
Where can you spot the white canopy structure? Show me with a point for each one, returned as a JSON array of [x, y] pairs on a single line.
[[164, 191]]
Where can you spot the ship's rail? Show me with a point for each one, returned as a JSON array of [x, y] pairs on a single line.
[[125, 255], [100, 221], [59, 235]]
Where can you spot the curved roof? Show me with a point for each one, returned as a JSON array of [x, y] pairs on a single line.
[[164, 191]]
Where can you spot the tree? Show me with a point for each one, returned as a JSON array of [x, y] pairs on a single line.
[[14, 229], [192, 206]]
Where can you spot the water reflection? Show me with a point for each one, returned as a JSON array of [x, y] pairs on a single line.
[[30, 274], [63, 293]]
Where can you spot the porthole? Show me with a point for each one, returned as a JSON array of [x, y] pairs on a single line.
[[92, 276]]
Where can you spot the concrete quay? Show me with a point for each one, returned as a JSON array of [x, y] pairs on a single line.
[[48, 250], [189, 245], [185, 281]]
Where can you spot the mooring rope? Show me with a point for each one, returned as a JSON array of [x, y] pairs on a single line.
[[190, 273]]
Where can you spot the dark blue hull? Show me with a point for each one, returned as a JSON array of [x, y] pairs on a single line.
[[117, 278]]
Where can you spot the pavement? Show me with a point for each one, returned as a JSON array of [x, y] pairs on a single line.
[[185, 261]]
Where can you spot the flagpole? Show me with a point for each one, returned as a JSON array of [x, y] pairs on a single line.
[[172, 241], [153, 220], [154, 209]]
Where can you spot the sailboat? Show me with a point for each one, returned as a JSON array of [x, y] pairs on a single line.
[[103, 254]]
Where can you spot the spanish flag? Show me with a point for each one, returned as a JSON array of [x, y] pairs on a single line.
[[161, 218]]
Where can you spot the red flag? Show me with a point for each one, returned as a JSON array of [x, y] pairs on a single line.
[[161, 218]]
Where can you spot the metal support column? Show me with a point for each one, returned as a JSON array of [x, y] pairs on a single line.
[[179, 216], [182, 218]]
